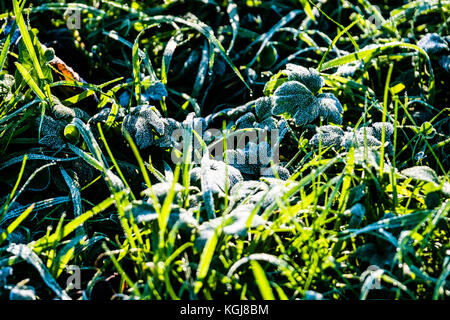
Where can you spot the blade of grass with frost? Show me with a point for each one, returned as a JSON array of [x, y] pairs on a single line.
[[45, 241], [86, 157], [187, 156], [234, 22], [279, 263], [30, 178], [188, 98], [16, 185], [403, 13], [6, 47], [32, 258], [385, 111], [261, 281], [202, 70], [167, 56], [137, 56], [64, 6], [43, 204], [26, 38], [75, 194], [352, 40], [16, 223], [51, 253], [66, 254], [29, 80], [18, 111], [205, 260], [336, 39]]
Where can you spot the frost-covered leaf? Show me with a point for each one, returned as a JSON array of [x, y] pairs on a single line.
[[246, 121], [308, 76], [358, 138], [268, 124], [6, 84], [330, 108], [328, 136], [145, 124], [52, 132], [251, 159], [421, 173], [252, 189], [378, 130], [233, 223], [357, 212], [282, 172], [162, 189], [349, 69], [295, 99], [433, 44], [263, 107], [156, 91], [444, 62], [103, 114], [236, 220], [169, 139], [4, 274], [211, 176]]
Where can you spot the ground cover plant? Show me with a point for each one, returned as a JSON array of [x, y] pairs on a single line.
[[117, 179]]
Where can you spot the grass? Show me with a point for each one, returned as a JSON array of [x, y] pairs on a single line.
[[89, 182]]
